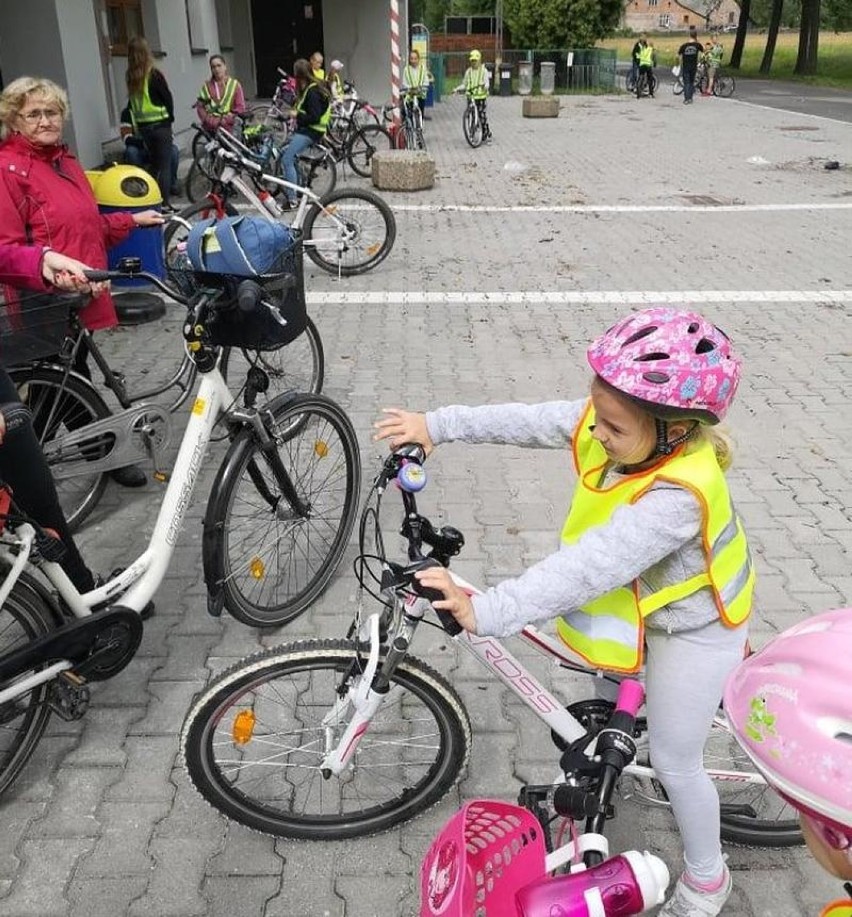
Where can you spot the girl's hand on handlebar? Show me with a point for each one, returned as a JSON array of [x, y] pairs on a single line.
[[456, 601], [403, 427]]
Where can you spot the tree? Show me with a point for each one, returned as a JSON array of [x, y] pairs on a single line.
[[561, 23], [806, 61], [742, 28], [772, 35]]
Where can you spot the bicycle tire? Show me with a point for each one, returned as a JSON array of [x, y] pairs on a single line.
[[40, 387], [259, 580], [721, 753], [677, 87], [366, 236], [200, 156], [197, 184], [363, 144], [653, 82], [419, 140], [369, 798], [364, 114], [275, 124], [702, 83], [320, 175], [472, 127], [401, 138], [298, 366], [23, 618], [724, 87]]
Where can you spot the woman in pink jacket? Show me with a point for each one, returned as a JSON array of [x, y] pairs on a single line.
[[45, 199]]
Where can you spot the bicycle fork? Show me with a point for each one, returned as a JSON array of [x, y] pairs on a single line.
[[365, 694]]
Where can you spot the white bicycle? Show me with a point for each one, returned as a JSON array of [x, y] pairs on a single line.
[[277, 523], [329, 739]]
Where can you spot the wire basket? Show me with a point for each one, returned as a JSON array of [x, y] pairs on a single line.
[[33, 325], [262, 329], [485, 854]]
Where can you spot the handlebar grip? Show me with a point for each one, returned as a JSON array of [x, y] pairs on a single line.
[[249, 295], [16, 415], [448, 622], [98, 276]]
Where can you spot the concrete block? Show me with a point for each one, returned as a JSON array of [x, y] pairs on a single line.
[[540, 107], [403, 170]]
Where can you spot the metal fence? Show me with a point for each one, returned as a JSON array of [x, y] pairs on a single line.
[[576, 70]]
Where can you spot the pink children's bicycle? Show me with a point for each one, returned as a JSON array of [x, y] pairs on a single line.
[[331, 739]]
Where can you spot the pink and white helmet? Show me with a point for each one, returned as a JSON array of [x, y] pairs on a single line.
[[676, 364], [790, 708]]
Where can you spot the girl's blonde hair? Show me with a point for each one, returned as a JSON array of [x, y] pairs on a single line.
[[140, 62], [15, 95], [721, 441]]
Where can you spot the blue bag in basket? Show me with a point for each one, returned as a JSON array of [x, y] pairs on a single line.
[[244, 246]]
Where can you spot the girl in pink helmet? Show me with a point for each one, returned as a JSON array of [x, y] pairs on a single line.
[[653, 564], [790, 708]]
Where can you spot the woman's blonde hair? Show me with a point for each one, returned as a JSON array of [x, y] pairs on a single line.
[[721, 441], [140, 62], [15, 95]]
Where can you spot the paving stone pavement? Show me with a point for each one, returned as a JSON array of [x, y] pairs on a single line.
[[104, 822]]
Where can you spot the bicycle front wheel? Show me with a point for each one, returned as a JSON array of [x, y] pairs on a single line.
[[61, 406], [254, 743], [677, 87], [271, 545], [24, 718], [472, 126], [352, 232], [363, 144]]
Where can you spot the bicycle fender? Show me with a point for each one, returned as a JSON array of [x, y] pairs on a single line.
[[213, 534]]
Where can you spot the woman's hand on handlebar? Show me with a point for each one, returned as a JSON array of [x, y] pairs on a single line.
[[68, 274], [149, 218], [402, 427], [456, 601]]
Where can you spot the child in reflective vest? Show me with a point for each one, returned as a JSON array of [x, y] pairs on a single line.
[[653, 563], [475, 85]]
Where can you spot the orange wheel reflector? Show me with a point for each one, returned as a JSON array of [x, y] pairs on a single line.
[[243, 728], [257, 568], [321, 448]]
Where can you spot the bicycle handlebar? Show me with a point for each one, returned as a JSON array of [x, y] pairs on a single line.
[[130, 271]]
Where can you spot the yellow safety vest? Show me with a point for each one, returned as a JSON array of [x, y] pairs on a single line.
[[476, 82], [609, 631], [646, 56], [221, 106], [416, 79], [322, 125], [143, 110]]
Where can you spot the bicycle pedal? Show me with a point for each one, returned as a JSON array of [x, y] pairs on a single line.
[[69, 696]]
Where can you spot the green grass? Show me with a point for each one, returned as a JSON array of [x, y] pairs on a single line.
[[835, 55]]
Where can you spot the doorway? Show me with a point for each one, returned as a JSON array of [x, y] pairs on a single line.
[[283, 32]]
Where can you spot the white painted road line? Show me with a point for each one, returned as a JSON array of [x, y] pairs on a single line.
[[577, 297], [621, 208]]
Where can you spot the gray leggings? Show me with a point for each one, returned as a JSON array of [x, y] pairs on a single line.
[[685, 675]]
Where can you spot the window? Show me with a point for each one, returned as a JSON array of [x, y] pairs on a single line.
[[124, 20], [652, 2], [665, 21]]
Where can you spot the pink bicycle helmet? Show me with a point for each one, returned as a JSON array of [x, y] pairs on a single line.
[[790, 708], [676, 364]]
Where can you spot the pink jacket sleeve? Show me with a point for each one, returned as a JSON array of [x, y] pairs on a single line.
[[239, 103], [20, 266], [116, 227]]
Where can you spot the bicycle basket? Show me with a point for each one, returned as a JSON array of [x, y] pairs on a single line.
[[32, 325], [483, 856], [262, 328]]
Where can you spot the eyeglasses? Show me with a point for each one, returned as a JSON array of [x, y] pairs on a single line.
[[34, 116]]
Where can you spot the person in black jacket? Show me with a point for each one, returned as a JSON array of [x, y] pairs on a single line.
[[313, 112], [152, 112]]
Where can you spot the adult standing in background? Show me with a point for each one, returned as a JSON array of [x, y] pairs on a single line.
[[152, 111], [221, 98], [688, 54]]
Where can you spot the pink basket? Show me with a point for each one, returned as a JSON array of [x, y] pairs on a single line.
[[486, 852]]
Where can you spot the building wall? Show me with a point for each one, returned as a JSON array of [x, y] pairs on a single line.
[[359, 34], [644, 15], [241, 59]]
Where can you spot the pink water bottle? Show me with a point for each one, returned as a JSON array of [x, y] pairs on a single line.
[[622, 886]]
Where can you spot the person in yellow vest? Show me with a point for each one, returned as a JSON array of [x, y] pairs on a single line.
[[313, 113], [653, 562], [152, 113], [475, 85], [647, 60], [221, 97], [415, 81], [335, 80], [316, 61]]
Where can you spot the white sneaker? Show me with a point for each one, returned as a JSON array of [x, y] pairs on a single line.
[[687, 901]]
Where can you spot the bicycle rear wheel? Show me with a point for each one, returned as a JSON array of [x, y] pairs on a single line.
[[363, 144], [319, 173], [63, 405], [197, 183], [472, 126], [253, 743], [23, 720], [352, 232], [267, 557]]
